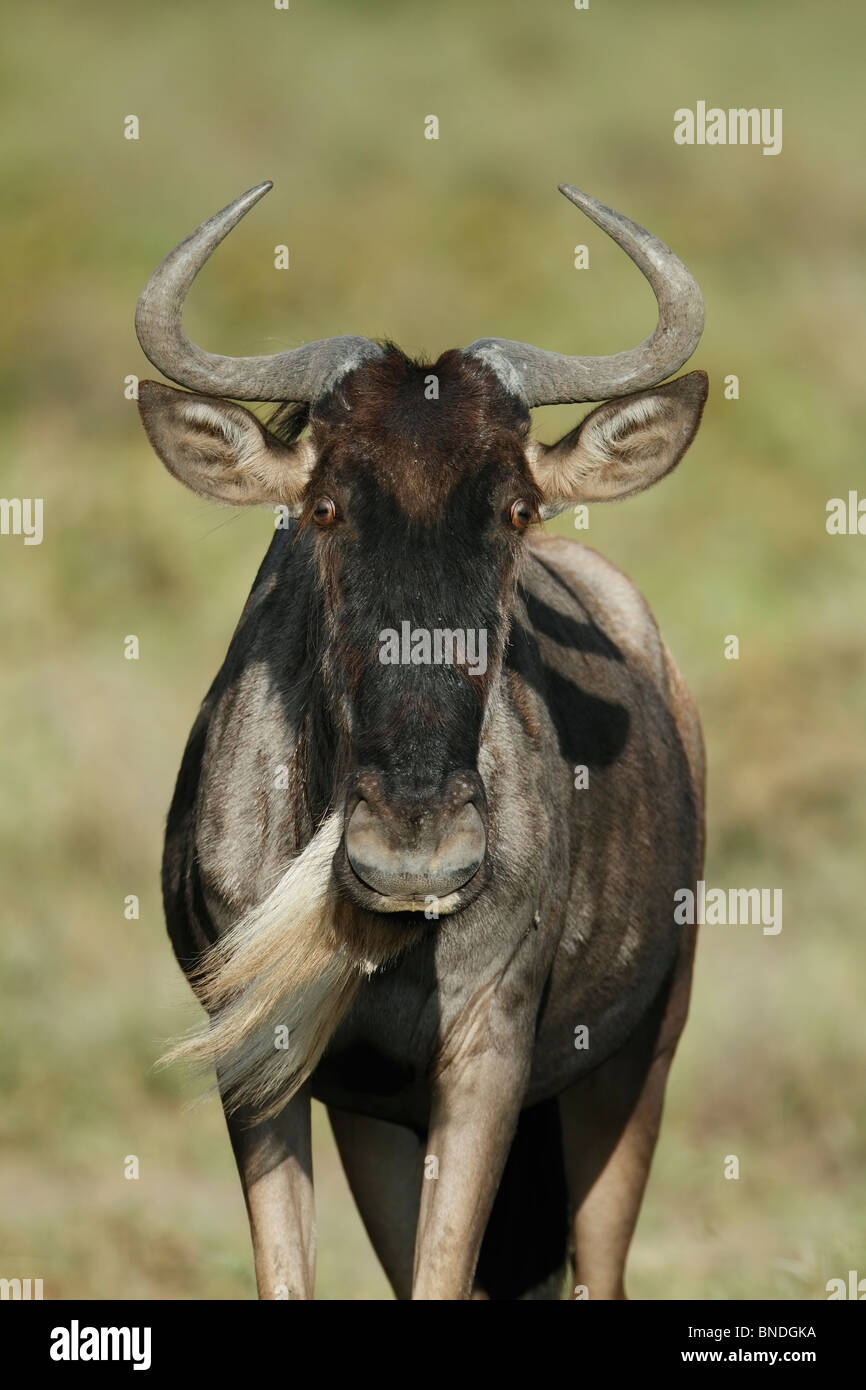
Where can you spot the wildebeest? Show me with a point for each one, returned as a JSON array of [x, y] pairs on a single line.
[[438, 900]]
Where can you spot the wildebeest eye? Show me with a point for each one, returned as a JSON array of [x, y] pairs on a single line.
[[521, 514], [324, 511]]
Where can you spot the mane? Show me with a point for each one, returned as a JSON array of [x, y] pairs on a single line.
[[278, 983]]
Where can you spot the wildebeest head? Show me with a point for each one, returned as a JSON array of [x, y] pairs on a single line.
[[416, 484]]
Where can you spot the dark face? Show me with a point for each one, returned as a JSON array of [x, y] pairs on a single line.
[[418, 502]]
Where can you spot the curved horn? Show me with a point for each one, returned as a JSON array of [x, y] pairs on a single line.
[[551, 378], [301, 374]]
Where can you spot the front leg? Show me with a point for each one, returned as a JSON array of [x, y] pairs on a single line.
[[275, 1163], [476, 1104]]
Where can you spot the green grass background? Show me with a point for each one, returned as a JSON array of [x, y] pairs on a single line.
[[433, 244]]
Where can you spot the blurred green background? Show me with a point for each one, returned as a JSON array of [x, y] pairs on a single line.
[[433, 244]]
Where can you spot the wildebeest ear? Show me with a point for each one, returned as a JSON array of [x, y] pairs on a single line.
[[623, 446], [220, 450]]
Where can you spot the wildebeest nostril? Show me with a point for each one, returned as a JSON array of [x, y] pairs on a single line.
[[438, 857]]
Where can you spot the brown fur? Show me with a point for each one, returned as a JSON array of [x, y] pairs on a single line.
[[418, 449]]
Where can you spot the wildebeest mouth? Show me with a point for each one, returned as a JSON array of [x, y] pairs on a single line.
[[405, 852], [352, 886]]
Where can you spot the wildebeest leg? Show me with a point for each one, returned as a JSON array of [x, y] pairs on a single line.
[[275, 1163], [384, 1165], [476, 1104], [610, 1124]]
